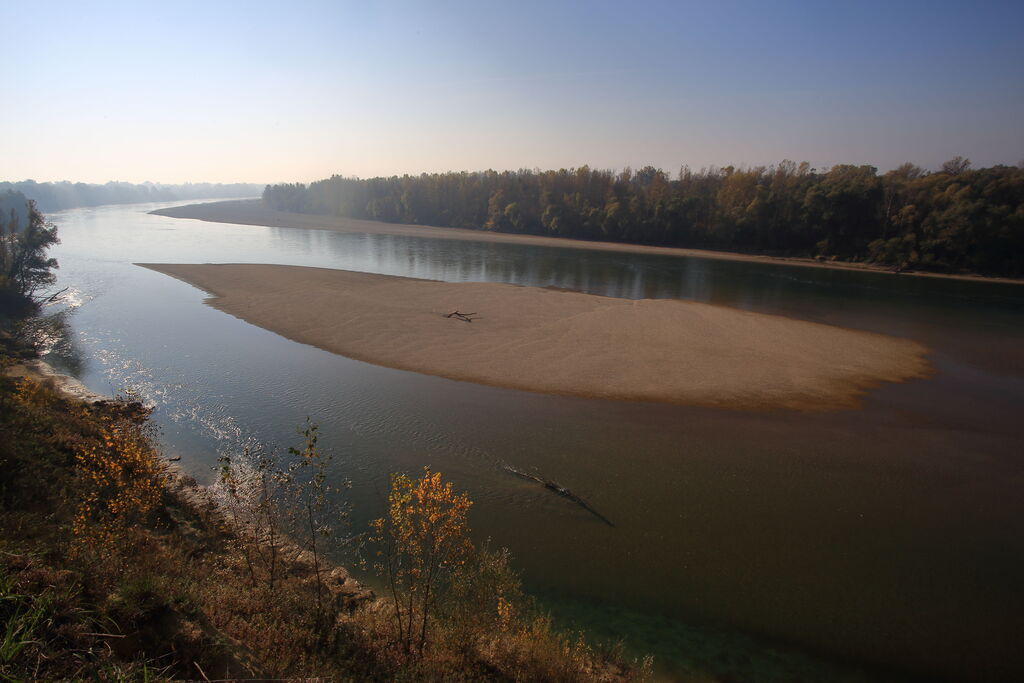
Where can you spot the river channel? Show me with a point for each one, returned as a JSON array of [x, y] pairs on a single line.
[[885, 541]]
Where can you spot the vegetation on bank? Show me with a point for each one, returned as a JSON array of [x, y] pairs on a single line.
[[25, 268], [955, 220], [114, 567]]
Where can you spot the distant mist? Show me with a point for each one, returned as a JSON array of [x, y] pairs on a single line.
[[68, 195], [13, 209]]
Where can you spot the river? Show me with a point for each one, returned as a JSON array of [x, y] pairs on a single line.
[[853, 545]]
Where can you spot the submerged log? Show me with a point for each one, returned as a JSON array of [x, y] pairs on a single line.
[[560, 490]]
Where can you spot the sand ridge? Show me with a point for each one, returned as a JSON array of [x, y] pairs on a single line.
[[562, 342]]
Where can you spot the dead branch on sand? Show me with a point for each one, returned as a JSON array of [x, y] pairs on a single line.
[[468, 317]]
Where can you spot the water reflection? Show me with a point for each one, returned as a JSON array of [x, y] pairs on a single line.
[[52, 334], [635, 276], [57, 345]]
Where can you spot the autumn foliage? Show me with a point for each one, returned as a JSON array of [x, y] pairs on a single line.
[[121, 484], [424, 546]]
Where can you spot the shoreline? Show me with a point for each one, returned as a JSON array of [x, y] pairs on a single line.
[[103, 532], [199, 496], [67, 385], [564, 343], [253, 212]]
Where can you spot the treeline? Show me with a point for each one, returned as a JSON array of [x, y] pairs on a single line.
[[67, 195], [957, 219]]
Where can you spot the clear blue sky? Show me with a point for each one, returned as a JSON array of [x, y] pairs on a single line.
[[283, 91]]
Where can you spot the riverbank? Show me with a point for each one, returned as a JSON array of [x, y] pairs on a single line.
[[116, 564], [254, 212], [115, 567], [562, 342], [67, 385]]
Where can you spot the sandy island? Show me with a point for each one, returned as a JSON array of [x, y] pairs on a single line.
[[255, 212], [562, 342]]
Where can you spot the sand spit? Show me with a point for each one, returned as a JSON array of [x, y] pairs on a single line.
[[562, 342], [254, 212]]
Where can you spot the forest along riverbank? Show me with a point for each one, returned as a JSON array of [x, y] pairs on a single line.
[[255, 212], [560, 342]]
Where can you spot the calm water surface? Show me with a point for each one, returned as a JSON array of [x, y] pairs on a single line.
[[889, 536]]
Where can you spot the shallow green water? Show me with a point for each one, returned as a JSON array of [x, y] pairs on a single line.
[[889, 535]]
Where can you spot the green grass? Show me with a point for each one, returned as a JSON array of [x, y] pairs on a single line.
[[21, 617]]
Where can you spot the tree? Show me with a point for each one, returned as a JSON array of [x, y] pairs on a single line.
[[956, 166], [424, 546], [306, 477], [24, 238], [252, 497], [956, 219]]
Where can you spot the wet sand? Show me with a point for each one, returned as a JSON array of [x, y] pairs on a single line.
[[254, 212], [562, 342], [42, 372]]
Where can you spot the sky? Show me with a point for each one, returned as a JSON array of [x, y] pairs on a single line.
[[296, 91]]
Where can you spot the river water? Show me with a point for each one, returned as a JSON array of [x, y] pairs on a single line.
[[879, 542]]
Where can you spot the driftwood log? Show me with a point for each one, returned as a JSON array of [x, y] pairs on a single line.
[[50, 298], [560, 490], [467, 317]]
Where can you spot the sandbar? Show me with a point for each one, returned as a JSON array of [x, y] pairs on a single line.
[[561, 342], [255, 212]]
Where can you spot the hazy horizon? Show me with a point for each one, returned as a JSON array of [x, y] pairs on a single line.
[[672, 172], [256, 93]]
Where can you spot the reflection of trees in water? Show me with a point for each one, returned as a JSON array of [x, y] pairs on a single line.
[[55, 340], [767, 288], [595, 272]]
